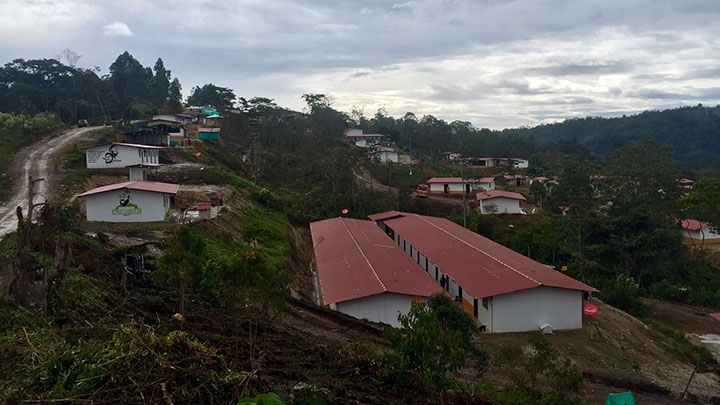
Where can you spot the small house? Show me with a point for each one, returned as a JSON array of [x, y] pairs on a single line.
[[362, 273], [500, 202], [133, 201], [696, 231], [451, 185], [360, 139], [118, 155], [487, 183], [209, 134]]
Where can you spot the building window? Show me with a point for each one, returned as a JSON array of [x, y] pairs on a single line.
[[486, 302]]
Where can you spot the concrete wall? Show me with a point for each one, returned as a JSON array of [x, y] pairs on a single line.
[[114, 156], [453, 188], [379, 308], [526, 310], [144, 206]]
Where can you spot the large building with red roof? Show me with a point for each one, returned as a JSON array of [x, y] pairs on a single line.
[[506, 291], [132, 201], [364, 274], [697, 231]]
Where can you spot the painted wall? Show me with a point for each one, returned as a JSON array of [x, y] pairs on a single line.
[[526, 310], [502, 206], [387, 156], [143, 206], [379, 308], [114, 156], [453, 188]]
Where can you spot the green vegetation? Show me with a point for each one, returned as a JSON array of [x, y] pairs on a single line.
[[16, 132], [433, 341]]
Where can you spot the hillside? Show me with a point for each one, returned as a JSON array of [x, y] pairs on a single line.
[[690, 131], [117, 337]]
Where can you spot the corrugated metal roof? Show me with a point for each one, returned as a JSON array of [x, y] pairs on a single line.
[[385, 215], [480, 266], [355, 259], [154, 186], [488, 195], [716, 316]]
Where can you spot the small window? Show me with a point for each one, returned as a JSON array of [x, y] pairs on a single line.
[[486, 302]]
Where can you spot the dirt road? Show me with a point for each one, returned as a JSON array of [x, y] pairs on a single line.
[[38, 161]]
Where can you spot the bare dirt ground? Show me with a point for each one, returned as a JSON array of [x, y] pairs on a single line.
[[37, 161]]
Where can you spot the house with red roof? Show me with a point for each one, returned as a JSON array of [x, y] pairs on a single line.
[[364, 274], [503, 289], [499, 202], [132, 201], [696, 231]]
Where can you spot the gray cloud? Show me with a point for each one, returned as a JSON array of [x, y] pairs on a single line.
[[495, 63]]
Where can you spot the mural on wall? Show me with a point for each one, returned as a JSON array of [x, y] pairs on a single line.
[[126, 207], [110, 156]]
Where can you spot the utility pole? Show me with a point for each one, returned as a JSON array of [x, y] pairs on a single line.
[[462, 179]]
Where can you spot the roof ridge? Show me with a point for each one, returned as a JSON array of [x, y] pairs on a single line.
[[362, 253], [480, 250]]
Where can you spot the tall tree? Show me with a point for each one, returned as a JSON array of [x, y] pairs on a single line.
[[641, 184], [222, 98], [129, 81], [160, 87]]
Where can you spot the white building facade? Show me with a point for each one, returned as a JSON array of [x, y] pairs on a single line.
[[119, 155], [130, 202]]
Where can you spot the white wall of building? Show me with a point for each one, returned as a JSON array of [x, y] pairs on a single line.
[[115, 156], [143, 206], [500, 205], [701, 234], [379, 308], [526, 310], [138, 173], [453, 188], [521, 163], [488, 186], [387, 156]]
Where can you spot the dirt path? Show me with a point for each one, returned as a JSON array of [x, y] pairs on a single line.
[[38, 161]]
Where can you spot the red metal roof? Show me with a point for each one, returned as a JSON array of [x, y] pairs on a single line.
[[385, 215], [154, 186], [480, 266], [355, 259], [488, 195], [716, 316], [693, 224], [487, 179]]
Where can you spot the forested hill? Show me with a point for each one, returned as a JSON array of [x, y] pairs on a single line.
[[692, 132]]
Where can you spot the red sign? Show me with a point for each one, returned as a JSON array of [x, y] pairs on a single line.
[[345, 211], [590, 310]]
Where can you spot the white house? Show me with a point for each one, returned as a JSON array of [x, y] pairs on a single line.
[[357, 137], [386, 154], [505, 290], [362, 273], [499, 202], [116, 155], [487, 183], [696, 231], [519, 163], [133, 201]]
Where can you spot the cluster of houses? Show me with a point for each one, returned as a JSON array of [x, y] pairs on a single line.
[[374, 269], [378, 150], [490, 200], [140, 200]]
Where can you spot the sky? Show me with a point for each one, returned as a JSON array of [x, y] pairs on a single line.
[[495, 63]]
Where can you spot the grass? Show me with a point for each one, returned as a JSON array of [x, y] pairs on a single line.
[[676, 343]]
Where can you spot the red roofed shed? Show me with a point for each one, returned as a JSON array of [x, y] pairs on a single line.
[[505, 290], [363, 273]]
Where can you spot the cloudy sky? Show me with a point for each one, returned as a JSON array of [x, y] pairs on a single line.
[[495, 63]]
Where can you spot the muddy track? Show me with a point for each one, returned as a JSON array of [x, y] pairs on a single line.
[[37, 161]]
